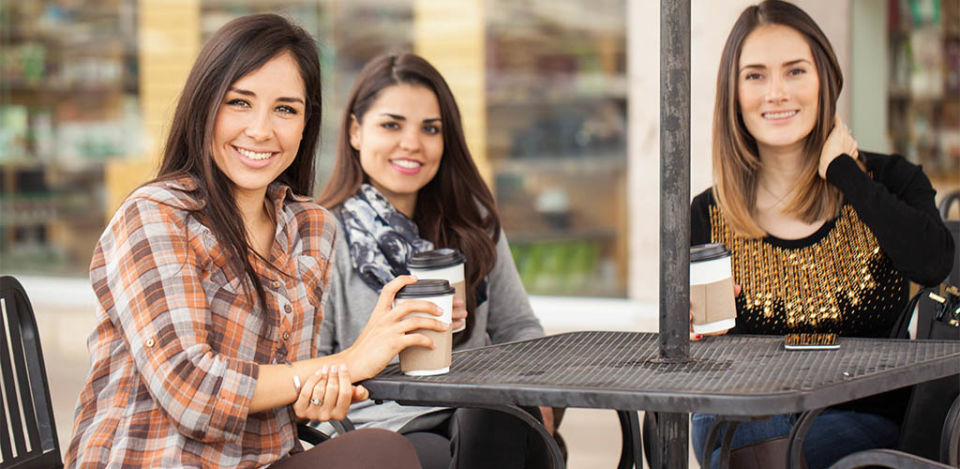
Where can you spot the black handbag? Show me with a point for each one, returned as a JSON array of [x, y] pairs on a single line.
[[937, 319]]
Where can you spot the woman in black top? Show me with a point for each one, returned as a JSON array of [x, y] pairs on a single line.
[[824, 238]]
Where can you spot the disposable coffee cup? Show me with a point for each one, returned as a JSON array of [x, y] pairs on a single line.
[[446, 264], [422, 361], [711, 289]]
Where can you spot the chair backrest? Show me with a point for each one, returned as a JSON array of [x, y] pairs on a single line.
[[922, 430], [28, 435]]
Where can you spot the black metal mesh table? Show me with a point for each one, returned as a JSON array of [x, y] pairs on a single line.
[[730, 375]]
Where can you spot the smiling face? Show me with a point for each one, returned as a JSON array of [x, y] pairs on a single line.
[[400, 141], [778, 88], [259, 125]]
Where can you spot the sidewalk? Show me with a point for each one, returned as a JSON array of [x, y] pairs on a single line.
[[65, 316]]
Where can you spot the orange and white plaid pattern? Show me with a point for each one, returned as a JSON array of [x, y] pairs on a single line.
[[177, 348]]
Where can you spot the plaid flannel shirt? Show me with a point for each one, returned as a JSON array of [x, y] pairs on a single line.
[[176, 350]]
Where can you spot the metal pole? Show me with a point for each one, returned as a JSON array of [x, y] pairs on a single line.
[[674, 213], [672, 444], [674, 179]]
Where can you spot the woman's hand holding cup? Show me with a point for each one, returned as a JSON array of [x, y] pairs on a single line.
[[386, 332], [695, 337]]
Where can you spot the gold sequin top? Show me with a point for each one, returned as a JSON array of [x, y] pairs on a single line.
[[835, 280]]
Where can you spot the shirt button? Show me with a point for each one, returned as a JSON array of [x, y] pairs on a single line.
[[276, 284], [286, 336], [288, 309], [150, 342]]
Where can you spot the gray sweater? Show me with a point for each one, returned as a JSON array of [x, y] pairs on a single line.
[[505, 316]]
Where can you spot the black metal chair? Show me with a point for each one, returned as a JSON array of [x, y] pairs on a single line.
[[311, 434], [28, 434]]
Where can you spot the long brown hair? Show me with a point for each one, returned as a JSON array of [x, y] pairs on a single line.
[[736, 160], [455, 209], [240, 47]]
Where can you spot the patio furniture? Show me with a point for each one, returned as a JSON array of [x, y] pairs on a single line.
[[30, 439], [740, 376]]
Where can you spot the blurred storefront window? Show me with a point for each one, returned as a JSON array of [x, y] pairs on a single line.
[[68, 104], [924, 85], [556, 140], [81, 127]]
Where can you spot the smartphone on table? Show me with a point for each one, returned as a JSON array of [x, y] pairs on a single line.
[[811, 341]]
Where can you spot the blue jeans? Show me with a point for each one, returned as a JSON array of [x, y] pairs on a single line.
[[834, 434]]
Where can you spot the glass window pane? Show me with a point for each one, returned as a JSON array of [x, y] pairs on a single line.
[[556, 138]]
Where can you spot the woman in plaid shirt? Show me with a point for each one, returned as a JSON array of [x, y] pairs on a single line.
[[210, 280]]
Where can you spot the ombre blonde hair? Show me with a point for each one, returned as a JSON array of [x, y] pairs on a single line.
[[736, 161]]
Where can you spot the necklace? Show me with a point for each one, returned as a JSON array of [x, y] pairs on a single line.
[[778, 199]]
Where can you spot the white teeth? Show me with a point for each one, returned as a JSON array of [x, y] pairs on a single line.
[[406, 164], [779, 115], [254, 155]]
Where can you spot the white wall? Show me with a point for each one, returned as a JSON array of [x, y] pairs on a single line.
[[869, 75], [710, 23]]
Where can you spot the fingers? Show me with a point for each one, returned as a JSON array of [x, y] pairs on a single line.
[[345, 396], [737, 289], [360, 393], [415, 340], [327, 395], [416, 306], [459, 316], [331, 392], [316, 397], [390, 290], [848, 143], [698, 337], [301, 406], [547, 414], [409, 325]]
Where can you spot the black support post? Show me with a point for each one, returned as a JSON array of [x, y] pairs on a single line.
[[674, 213], [674, 179]]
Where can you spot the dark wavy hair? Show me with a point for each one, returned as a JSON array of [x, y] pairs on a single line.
[[455, 209], [238, 48], [736, 160]]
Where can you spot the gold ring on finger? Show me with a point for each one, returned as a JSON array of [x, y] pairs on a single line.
[[315, 401]]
